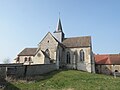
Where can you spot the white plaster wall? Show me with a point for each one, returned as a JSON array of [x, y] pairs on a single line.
[[22, 59], [35, 59], [39, 59]]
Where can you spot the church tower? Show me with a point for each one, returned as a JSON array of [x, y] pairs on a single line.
[[58, 33]]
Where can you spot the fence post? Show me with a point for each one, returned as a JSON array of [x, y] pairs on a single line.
[[6, 69]]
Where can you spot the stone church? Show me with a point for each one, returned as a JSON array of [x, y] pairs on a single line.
[[71, 53]]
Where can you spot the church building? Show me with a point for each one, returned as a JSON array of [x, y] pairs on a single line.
[[70, 53]]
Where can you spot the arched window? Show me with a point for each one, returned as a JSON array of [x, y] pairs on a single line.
[[68, 57], [82, 55], [29, 59], [25, 59], [47, 52]]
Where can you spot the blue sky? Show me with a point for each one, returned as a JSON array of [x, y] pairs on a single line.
[[23, 23]]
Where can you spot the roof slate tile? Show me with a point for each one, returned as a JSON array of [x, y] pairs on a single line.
[[77, 41], [28, 52]]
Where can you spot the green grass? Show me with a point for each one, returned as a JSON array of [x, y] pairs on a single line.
[[70, 80]]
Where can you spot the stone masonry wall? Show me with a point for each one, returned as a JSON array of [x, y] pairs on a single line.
[[2, 72], [40, 69], [30, 70]]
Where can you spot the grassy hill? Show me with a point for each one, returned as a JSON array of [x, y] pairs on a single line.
[[69, 80]]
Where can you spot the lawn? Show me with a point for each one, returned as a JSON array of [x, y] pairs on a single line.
[[68, 80]]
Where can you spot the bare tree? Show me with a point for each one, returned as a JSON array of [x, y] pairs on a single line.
[[6, 61]]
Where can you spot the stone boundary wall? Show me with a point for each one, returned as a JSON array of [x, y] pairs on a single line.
[[26, 70], [39, 69], [2, 72], [18, 71]]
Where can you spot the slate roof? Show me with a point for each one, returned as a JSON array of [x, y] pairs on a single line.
[[59, 26], [28, 52], [107, 59], [77, 42]]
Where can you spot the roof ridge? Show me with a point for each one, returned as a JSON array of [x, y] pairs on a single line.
[[77, 37]]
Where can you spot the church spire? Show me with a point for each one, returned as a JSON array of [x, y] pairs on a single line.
[[59, 26], [59, 35]]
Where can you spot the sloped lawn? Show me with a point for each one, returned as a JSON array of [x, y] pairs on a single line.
[[69, 80]]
